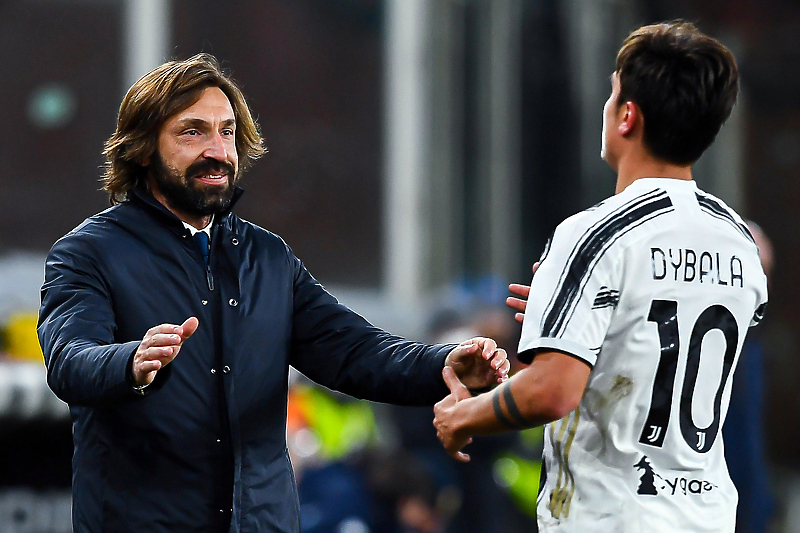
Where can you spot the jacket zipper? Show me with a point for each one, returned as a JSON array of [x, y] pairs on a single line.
[[209, 278]]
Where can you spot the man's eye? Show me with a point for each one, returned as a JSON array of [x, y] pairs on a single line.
[[227, 131], [191, 132]]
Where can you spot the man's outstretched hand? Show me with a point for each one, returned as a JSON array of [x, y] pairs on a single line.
[[479, 363], [523, 291], [445, 417], [158, 348]]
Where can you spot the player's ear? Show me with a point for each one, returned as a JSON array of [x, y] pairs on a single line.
[[630, 114]]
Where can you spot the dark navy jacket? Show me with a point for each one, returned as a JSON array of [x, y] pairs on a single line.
[[205, 447]]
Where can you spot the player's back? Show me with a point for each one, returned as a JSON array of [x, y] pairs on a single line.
[[655, 288]]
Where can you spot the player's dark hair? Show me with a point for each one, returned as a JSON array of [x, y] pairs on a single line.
[[685, 84], [158, 95]]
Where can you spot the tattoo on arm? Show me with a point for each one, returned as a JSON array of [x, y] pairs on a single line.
[[518, 421], [498, 411], [513, 410]]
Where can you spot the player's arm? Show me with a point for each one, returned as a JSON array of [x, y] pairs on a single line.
[[549, 389]]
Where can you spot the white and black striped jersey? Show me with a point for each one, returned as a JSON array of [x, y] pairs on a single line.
[[655, 289]]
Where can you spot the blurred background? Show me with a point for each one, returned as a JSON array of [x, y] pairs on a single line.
[[420, 154]]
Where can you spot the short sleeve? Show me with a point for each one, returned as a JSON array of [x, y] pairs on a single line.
[[573, 294]]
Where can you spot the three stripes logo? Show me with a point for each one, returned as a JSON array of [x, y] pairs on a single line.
[[606, 298]]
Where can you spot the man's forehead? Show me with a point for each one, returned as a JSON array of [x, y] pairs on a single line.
[[213, 103]]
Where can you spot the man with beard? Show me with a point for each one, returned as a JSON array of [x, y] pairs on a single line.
[[168, 324]]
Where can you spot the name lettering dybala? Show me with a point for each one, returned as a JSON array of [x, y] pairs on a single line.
[[687, 265]]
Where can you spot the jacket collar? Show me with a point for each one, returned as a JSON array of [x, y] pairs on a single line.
[[142, 197]]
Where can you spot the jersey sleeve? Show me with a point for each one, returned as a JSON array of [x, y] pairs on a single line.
[[758, 315], [573, 294]]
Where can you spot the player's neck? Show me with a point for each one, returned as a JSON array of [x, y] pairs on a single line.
[[637, 166]]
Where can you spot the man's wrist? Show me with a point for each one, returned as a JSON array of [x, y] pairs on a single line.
[[140, 389]]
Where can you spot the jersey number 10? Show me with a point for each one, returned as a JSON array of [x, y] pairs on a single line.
[[665, 314]]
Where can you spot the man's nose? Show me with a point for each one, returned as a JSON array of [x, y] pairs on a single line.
[[216, 149]]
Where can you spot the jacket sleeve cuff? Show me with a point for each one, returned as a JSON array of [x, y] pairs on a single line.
[[441, 356]]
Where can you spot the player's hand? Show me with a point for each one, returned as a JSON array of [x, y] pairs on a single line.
[[479, 363], [445, 417], [158, 348], [523, 291]]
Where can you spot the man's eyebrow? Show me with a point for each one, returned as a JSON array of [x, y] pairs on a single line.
[[193, 122]]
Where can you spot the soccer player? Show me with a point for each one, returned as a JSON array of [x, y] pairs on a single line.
[[637, 314]]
